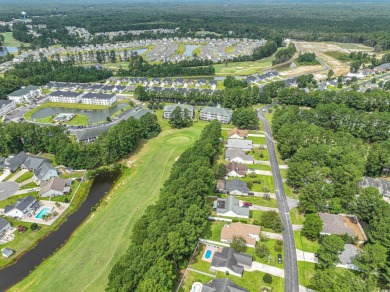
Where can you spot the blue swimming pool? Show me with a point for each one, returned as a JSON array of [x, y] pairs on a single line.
[[44, 211], [208, 254]]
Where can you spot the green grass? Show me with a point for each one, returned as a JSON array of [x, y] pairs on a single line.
[[180, 50], [105, 236], [49, 156], [78, 120], [266, 181], [213, 231], [256, 216], [24, 176], [72, 175], [243, 68], [11, 175], [302, 243], [197, 51], [259, 154], [30, 185], [229, 50], [45, 120], [270, 243], [260, 201], [257, 140], [259, 166], [198, 264], [283, 173], [9, 41], [192, 277], [306, 272], [296, 217]]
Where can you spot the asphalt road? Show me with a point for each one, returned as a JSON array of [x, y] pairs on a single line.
[[291, 283]]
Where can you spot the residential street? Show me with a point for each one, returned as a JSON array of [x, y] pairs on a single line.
[[290, 257]]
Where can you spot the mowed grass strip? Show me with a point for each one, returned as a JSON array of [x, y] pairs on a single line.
[[85, 261]]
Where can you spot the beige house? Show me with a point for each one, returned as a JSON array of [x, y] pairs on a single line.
[[237, 134], [247, 231], [54, 187]]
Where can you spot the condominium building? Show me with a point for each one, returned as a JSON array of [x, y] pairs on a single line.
[[65, 96], [98, 98], [216, 113]]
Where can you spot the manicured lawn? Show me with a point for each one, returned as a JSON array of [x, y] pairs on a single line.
[[259, 201], [72, 175], [259, 167], [229, 50], [85, 261], [302, 243], [45, 120], [28, 186], [306, 272], [200, 265], [256, 216], [214, 230], [192, 277], [283, 173], [253, 281], [296, 217], [24, 176], [257, 140], [259, 182], [78, 120], [289, 192], [259, 154], [10, 41], [270, 243], [11, 175], [49, 156], [12, 200]]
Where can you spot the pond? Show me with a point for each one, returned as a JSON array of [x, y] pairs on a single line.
[[5, 50], [189, 50], [93, 115], [16, 272]]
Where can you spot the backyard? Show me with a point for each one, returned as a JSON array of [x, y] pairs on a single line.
[[302, 243], [97, 243]]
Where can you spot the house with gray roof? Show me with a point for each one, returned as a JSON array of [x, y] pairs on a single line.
[[45, 172], [228, 260], [230, 207], [222, 285], [22, 208], [54, 187], [6, 106], [236, 187], [34, 162], [14, 162], [168, 109], [347, 256], [25, 94], [340, 225], [382, 185], [245, 145], [4, 226], [7, 252], [65, 96], [216, 113], [239, 156], [98, 98]]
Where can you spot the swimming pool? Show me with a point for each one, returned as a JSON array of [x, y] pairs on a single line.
[[208, 254], [44, 211]]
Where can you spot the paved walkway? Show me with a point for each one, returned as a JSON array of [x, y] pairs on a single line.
[[261, 194], [297, 227], [263, 172], [207, 241], [4, 175], [23, 183], [256, 135], [305, 256], [266, 162], [21, 192], [276, 236], [19, 174], [259, 145], [262, 208], [200, 272], [256, 266]]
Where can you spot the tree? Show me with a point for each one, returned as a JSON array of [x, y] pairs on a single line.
[[180, 119], [267, 278], [312, 226], [340, 281], [34, 226], [150, 127], [1, 40], [330, 74], [271, 219], [371, 259], [238, 244], [262, 250], [245, 118], [328, 254], [220, 171]]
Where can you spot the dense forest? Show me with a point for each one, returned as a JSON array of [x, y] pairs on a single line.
[[166, 235], [119, 141], [325, 164], [359, 23]]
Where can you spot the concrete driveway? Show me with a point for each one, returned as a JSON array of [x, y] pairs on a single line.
[[274, 271], [8, 189]]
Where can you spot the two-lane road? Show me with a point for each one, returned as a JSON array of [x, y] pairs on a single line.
[[290, 257]]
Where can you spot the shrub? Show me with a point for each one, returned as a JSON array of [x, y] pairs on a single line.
[[34, 226], [238, 244], [267, 278], [278, 248]]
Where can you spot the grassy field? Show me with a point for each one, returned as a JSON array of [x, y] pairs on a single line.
[[9, 41], [296, 217], [260, 167], [302, 243], [259, 201], [79, 120], [192, 277], [85, 261], [306, 272], [51, 157], [253, 281], [259, 182], [213, 231], [24, 176], [243, 68], [257, 140]]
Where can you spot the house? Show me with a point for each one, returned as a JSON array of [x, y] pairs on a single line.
[[45, 172], [98, 98], [228, 260], [347, 255], [6, 106], [54, 187], [230, 207], [7, 252], [4, 226], [24, 94], [236, 187], [237, 134], [22, 208], [247, 231], [236, 170], [90, 134], [168, 109], [65, 96], [215, 113], [340, 225], [238, 155], [382, 185], [33, 162], [222, 285], [14, 162], [245, 145]]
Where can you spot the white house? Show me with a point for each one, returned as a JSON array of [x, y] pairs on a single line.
[[215, 113], [24, 94], [4, 226], [22, 208], [98, 98], [65, 96], [6, 106], [245, 145], [239, 156]]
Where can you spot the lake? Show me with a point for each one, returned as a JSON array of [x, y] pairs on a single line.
[[16, 272], [189, 50], [93, 115], [5, 50]]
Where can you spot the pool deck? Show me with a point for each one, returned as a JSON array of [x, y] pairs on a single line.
[[51, 205], [213, 249]]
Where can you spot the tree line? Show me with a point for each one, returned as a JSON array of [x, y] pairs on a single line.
[[165, 237], [116, 143], [285, 54]]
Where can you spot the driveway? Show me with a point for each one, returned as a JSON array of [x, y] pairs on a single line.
[[8, 189], [304, 256], [274, 271], [4, 175], [261, 208], [19, 174]]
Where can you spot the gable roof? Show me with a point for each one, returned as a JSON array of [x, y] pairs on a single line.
[[3, 223], [15, 162], [236, 185], [240, 229], [241, 169], [231, 204], [56, 184], [24, 90], [334, 224], [171, 107], [350, 252], [34, 162], [237, 153], [217, 111], [222, 285], [65, 93], [92, 95], [45, 168], [236, 131], [231, 259], [21, 205], [239, 143]]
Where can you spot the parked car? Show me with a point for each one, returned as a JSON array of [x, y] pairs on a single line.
[[280, 260], [247, 204]]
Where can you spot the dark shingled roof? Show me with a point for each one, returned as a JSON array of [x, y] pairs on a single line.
[[3, 223], [222, 285], [236, 185], [15, 162], [231, 259]]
